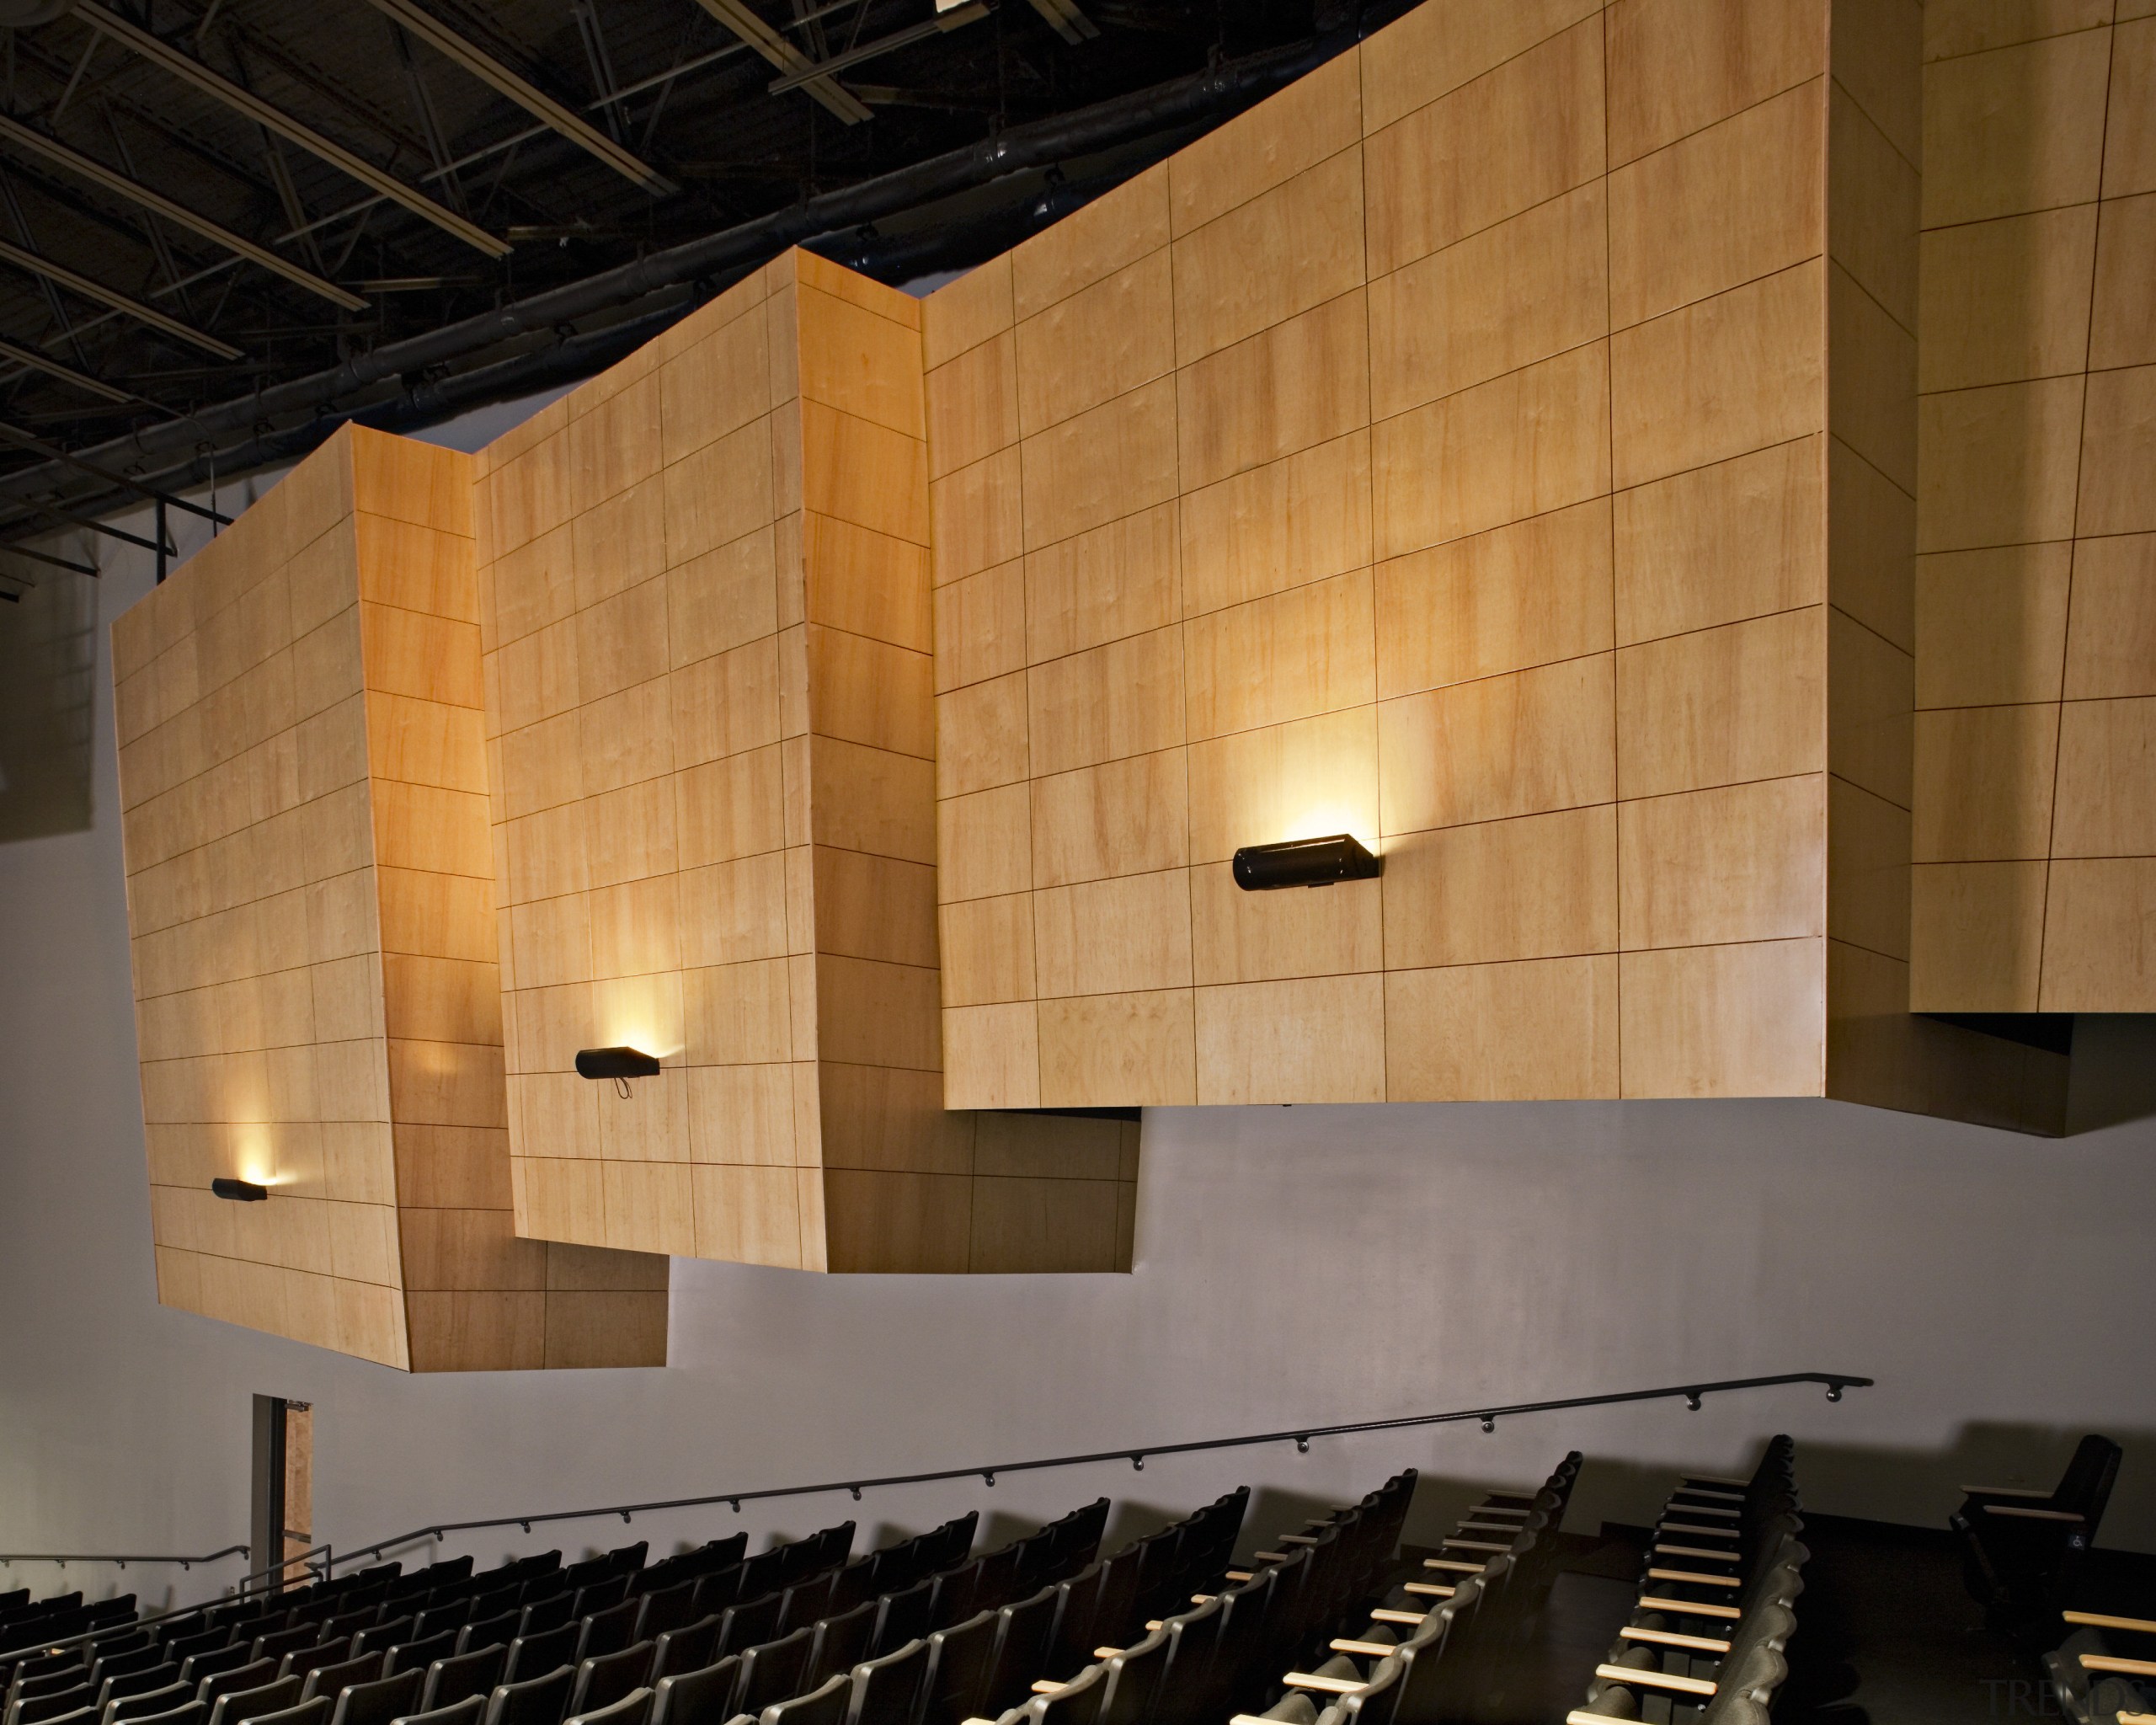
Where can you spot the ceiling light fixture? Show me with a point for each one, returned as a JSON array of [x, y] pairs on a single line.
[[1304, 863]]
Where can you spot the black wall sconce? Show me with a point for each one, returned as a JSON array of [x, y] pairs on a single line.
[[1304, 863], [239, 1190], [615, 1063]]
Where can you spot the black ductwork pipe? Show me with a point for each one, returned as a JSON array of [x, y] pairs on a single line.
[[1211, 95]]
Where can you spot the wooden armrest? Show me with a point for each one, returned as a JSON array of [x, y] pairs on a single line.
[[1366, 1649], [1578, 1715], [1708, 1491], [1689, 1575], [1270, 1557], [1325, 1685], [1700, 1509], [2137, 1719], [1473, 1526], [1385, 1614], [1497, 1491], [1715, 1479], [1457, 1565], [1428, 1589], [1661, 1679], [2099, 1620], [1696, 1551], [1694, 1608], [1203, 1598], [1483, 1545], [1298, 1539], [1671, 1638], [1110, 1653], [2125, 1668], [1696, 1533], [978, 1720], [1239, 1574], [1689, 1607], [1235, 1719], [1043, 1686], [2001, 1491], [2019, 1514]]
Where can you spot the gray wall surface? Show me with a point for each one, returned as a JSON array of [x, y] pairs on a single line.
[[1304, 1264]]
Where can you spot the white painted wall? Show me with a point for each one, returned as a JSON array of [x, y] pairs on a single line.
[[1313, 1264]]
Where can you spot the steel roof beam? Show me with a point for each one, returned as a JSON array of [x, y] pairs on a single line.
[[736, 16], [921, 32], [483, 66], [112, 180], [61, 274], [186, 68]]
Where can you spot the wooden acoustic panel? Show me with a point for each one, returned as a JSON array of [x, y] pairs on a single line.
[[2035, 809], [311, 902], [710, 688]]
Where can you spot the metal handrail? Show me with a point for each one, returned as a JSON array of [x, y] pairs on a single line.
[[1301, 1436], [123, 1559]]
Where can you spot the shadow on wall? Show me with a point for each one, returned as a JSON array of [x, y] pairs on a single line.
[[2113, 1079], [48, 665]]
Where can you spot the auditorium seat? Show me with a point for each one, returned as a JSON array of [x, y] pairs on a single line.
[[451, 1680], [236, 1706], [773, 1671], [375, 1703], [959, 1660], [306, 1659], [417, 1655], [489, 1631], [332, 1680], [633, 1708], [2105, 1666], [538, 1701], [142, 1706], [841, 1642], [2021, 1548], [464, 1712], [703, 1697], [824, 1706], [689, 1648], [604, 1680], [535, 1655], [884, 1690], [607, 1631]]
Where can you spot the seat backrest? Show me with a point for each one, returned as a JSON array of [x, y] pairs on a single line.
[[119, 1662], [773, 1672], [1134, 1678], [633, 1708], [2085, 1486], [744, 1625], [488, 1632], [717, 1591], [1077, 1702], [689, 1648], [669, 1608], [147, 1705], [465, 1712], [838, 1644], [951, 1592], [999, 1573], [1238, 1666], [1071, 1635], [954, 1681], [1021, 1651], [606, 1632], [532, 1656], [448, 1681], [603, 1681], [186, 1713], [313, 1658], [207, 1664], [375, 1703], [704, 1697], [281, 1642], [239, 1704], [380, 1638], [252, 1676], [436, 1619], [826, 1704], [544, 1614], [140, 1682], [885, 1689], [538, 1701], [1179, 1697], [333, 1680], [903, 1616], [806, 1601], [417, 1655], [763, 1573]]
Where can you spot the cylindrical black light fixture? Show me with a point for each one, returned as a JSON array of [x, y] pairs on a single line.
[[1304, 863], [239, 1190], [615, 1063]]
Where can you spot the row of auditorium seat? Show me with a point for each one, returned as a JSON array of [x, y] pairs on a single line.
[[1716, 1606], [1423, 1648]]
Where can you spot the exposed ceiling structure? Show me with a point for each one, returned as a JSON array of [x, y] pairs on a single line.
[[225, 225]]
